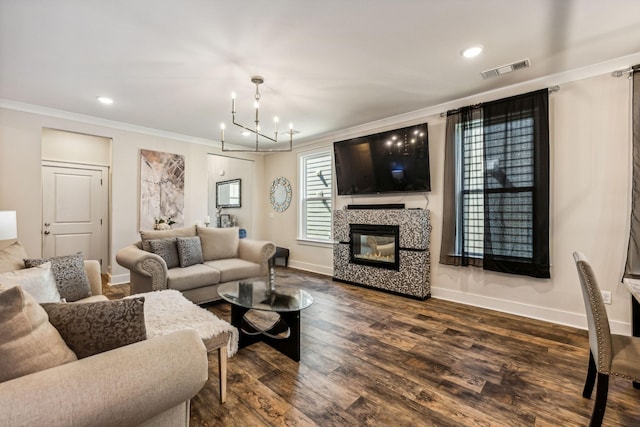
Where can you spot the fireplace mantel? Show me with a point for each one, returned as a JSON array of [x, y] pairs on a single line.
[[414, 273]]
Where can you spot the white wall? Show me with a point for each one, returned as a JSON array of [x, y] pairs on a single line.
[[232, 168], [590, 187], [20, 176]]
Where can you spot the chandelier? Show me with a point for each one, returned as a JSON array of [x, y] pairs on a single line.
[[262, 141]]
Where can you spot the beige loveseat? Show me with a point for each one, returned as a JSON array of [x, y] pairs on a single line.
[[148, 383], [225, 258]]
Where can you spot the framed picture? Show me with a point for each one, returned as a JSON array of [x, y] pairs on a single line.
[[161, 189], [225, 221]]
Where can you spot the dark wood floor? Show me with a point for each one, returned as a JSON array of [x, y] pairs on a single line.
[[370, 358]]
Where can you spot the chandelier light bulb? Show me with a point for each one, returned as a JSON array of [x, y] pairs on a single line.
[[256, 128]]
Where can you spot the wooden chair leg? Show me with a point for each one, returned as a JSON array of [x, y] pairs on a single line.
[[222, 372], [601, 400], [591, 377]]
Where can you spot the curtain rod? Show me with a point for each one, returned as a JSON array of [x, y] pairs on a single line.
[[620, 73], [551, 89]]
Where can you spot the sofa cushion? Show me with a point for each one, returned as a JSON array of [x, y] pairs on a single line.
[[167, 250], [195, 276], [96, 327], [71, 277], [38, 282], [28, 342], [11, 257], [147, 235], [189, 251], [234, 269], [219, 243]]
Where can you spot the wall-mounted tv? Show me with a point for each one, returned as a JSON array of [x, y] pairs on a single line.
[[387, 162]]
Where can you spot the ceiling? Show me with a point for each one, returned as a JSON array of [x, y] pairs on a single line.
[[171, 65]]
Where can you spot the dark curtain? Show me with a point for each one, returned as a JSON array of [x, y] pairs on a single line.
[[514, 188], [516, 185], [460, 124], [632, 267]]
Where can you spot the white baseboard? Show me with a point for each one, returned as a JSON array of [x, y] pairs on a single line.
[[576, 320], [313, 268], [119, 279]]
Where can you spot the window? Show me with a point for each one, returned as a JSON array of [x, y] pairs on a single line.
[[497, 186], [315, 193]]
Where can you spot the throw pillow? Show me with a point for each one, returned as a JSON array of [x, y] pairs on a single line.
[[219, 243], [11, 257], [71, 278], [39, 282], [95, 327], [147, 235], [28, 342], [189, 251], [167, 249]]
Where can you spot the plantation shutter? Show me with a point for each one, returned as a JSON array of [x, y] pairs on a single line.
[[317, 196]]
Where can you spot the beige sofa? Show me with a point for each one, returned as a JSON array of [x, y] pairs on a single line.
[[148, 383], [225, 258]]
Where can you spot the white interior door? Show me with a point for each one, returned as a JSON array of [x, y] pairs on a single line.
[[74, 202]]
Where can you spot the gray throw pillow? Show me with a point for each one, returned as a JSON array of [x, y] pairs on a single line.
[[94, 327], [167, 249], [189, 251], [71, 277]]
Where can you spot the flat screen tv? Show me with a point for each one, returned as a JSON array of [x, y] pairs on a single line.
[[394, 161]]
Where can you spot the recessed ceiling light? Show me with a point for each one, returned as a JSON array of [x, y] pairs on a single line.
[[105, 100], [245, 133], [472, 51]]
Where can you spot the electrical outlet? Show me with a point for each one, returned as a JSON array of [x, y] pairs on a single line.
[[606, 297]]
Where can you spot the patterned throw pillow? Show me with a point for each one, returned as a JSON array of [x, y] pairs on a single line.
[[189, 251], [28, 343], [146, 235], [71, 278], [167, 249], [38, 282], [95, 327]]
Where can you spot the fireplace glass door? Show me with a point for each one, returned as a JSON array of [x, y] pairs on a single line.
[[375, 245]]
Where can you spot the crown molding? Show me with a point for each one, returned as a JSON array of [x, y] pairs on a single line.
[[82, 118]]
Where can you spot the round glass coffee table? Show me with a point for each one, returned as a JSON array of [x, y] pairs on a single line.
[[286, 301]]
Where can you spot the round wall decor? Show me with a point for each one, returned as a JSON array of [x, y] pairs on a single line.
[[280, 194]]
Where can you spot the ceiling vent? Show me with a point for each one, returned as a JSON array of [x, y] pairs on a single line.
[[495, 72]]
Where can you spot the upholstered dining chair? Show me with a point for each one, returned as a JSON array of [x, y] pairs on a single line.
[[610, 354]]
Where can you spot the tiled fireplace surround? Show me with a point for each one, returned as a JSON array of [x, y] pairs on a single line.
[[413, 278]]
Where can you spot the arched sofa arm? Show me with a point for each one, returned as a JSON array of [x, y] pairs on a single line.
[[154, 376], [92, 268], [148, 271], [258, 251]]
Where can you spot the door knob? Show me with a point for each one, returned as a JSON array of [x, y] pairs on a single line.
[[47, 232]]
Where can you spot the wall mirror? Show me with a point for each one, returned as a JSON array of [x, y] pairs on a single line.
[[228, 194], [280, 194]]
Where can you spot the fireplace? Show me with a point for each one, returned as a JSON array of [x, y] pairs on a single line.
[[375, 245]]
